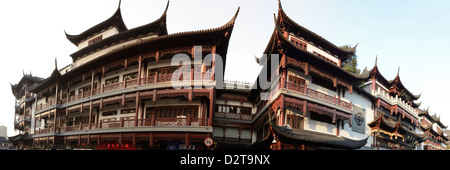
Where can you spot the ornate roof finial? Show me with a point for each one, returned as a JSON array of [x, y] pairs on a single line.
[[23, 72], [376, 60], [398, 71], [120, 1], [56, 64], [279, 5]]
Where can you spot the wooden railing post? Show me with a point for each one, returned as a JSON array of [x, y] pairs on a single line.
[[152, 123], [188, 120]]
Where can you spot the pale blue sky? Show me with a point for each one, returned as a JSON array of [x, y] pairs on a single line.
[[412, 35]]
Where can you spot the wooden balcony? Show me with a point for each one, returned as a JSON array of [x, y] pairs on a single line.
[[235, 116], [319, 95], [123, 123], [127, 84]]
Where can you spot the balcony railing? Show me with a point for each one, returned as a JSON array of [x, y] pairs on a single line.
[[160, 122], [126, 84], [236, 116], [319, 95], [395, 100]]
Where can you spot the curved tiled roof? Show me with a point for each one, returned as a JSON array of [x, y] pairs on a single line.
[[114, 21], [343, 53], [157, 27], [26, 77], [397, 83], [318, 138], [182, 36], [300, 136], [361, 76]]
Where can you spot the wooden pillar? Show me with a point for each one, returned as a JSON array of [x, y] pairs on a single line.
[[142, 113], [283, 74], [151, 142], [193, 52], [35, 119], [152, 122], [54, 120], [138, 101], [154, 96], [120, 138], [282, 111], [283, 61], [211, 107], [139, 70], [190, 95], [337, 128], [125, 63], [123, 98], [101, 104], [90, 113], [187, 140], [92, 83], [305, 107], [335, 81]]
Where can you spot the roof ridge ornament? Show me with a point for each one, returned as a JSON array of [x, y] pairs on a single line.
[[279, 5], [167, 7], [56, 64], [376, 60]]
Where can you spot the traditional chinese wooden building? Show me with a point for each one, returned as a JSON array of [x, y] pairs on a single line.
[[304, 105], [118, 93], [24, 109], [433, 129], [122, 92], [233, 115], [395, 122]]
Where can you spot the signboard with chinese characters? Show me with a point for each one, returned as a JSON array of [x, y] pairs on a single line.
[[358, 119]]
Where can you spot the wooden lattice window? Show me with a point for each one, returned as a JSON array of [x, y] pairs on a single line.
[[95, 40]]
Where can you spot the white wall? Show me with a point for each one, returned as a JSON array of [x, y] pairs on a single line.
[[365, 103], [105, 34], [312, 48], [99, 53]]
